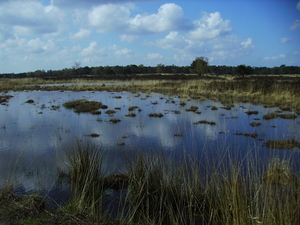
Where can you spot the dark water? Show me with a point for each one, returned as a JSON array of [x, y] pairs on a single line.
[[34, 137]]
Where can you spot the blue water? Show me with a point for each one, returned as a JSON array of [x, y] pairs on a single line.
[[34, 137]]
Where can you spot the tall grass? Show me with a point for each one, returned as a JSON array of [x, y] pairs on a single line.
[[221, 188], [162, 193], [86, 180], [228, 191]]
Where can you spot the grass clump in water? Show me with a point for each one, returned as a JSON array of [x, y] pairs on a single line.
[[83, 106], [282, 144], [255, 124], [159, 115], [274, 115], [4, 98], [131, 115], [206, 122]]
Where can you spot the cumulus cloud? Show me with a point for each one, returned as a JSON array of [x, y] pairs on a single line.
[[281, 56], [81, 34], [210, 25], [31, 17], [173, 41], [109, 17], [169, 17], [221, 47], [247, 43], [90, 49]]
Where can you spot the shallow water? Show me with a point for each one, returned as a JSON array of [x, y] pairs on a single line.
[[35, 136]]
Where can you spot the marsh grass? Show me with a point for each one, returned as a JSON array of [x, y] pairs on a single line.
[[279, 91], [162, 192], [220, 188], [86, 181]]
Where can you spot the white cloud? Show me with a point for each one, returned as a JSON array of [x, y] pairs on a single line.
[[128, 38], [210, 25], [88, 3], [281, 56], [122, 52], [222, 47], [169, 17], [109, 17], [173, 41], [154, 56], [285, 40], [5, 33], [89, 50], [247, 43], [81, 34], [31, 17], [298, 6], [296, 25]]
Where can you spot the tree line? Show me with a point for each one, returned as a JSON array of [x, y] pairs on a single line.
[[199, 66]]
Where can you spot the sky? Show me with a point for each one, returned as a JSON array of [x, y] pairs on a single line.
[[54, 34]]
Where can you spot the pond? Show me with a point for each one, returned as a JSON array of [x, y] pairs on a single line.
[[34, 135]]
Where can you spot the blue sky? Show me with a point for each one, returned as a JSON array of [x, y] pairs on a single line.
[[53, 34]]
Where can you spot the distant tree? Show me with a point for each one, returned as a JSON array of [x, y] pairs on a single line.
[[200, 65], [108, 71], [160, 68], [241, 70], [76, 65]]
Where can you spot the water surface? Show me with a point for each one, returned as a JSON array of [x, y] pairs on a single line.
[[35, 136]]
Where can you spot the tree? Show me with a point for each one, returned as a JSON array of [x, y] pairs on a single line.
[[200, 65], [76, 65], [241, 70]]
